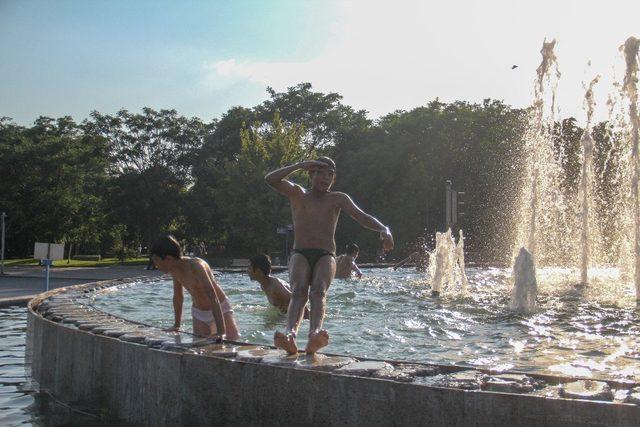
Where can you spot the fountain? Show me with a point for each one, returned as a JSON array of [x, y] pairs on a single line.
[[630, 88], [574, 362], [586, 186], [446, 263], [525, 290], [568, 223]]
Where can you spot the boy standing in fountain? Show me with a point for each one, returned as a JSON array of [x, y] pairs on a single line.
[[312, 266], [212, 313], [346, 263]]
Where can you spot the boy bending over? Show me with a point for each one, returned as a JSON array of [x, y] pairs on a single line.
[[212, 313]]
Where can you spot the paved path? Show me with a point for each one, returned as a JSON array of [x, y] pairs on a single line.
[[19, 284]]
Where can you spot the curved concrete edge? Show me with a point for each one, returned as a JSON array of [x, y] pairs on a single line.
[[150, 386]]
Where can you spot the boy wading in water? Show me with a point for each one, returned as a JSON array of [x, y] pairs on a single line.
[[346, 263], [312, 266], [212, 313], [278, 291]]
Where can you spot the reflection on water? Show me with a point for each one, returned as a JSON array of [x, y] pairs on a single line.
[[576, 330], [20, 403]]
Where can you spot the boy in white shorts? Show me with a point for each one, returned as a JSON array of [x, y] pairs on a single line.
[[211, 310]]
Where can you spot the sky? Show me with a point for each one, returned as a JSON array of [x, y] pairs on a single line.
[[203, 57]]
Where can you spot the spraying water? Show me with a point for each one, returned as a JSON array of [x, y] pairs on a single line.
[[525, 289], [630, 88], [460, 262], [589, 220], [585, 193], [446, 263], [543, 218]]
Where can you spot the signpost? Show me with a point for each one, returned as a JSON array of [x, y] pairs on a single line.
[[47, 253]]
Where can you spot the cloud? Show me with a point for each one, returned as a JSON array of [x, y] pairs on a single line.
[[385, 56]]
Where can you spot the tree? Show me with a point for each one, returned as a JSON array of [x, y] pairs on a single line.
[[250, 210], [152, 156], [322, 115], [58, 196]]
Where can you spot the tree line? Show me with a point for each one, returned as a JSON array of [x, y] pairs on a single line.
[[114, 182]]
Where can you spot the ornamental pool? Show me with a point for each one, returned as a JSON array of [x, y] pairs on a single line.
[[579, 331]]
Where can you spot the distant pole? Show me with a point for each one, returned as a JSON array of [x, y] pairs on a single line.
[[3, 215], [47, 264], [447, 207], [286, 248]]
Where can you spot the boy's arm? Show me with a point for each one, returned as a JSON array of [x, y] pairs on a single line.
[[208, 281], [355, 268], [178, 298], [366, 220], [276, 179]]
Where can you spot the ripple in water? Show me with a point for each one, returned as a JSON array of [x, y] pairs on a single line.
[[20, 402], [576, 330]]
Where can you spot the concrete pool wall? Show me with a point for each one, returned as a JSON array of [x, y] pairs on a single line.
[[145, 376]]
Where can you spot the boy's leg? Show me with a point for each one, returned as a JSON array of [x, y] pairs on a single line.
[[323, 275], [201, 329], [299, 276]]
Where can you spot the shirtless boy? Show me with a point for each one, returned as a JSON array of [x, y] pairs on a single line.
[[278, 291], [212, 313], [312, 266], [346, 263]]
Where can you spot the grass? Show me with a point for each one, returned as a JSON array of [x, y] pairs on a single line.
[[105, 262]]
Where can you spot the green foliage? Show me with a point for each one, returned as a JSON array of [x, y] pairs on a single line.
[[115, 182], [152, 155], [249, 211], [52, 180], [399, 172]]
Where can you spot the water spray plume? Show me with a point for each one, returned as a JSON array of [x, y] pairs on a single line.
[[630, 89]]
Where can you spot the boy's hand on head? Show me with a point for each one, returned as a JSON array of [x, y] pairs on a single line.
[[387, 239], [311, 165]]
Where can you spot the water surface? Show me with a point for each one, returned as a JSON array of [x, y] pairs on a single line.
[[577, 330]]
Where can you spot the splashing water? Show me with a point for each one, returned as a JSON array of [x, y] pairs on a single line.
[[591, 222], [525, 289], [630, 88], [446, 263], [543, 213], [585, 192]]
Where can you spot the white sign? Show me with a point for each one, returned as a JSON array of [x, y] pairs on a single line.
[[51, 251], [284, 230]]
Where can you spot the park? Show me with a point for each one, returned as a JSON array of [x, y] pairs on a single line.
[[495, 278]]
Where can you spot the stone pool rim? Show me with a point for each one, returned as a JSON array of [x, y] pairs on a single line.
[[328, 397]]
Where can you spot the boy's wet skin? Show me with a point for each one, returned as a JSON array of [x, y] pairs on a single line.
[[312, 267], [346, 263], [278, 291], [212, 313]]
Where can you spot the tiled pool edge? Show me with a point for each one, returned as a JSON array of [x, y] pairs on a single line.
[[150, 386]]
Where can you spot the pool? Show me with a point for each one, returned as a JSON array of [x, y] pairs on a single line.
[[579, 331], [20, 401]]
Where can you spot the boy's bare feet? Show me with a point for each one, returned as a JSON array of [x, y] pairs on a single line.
[[317, 340], [285, 342]]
